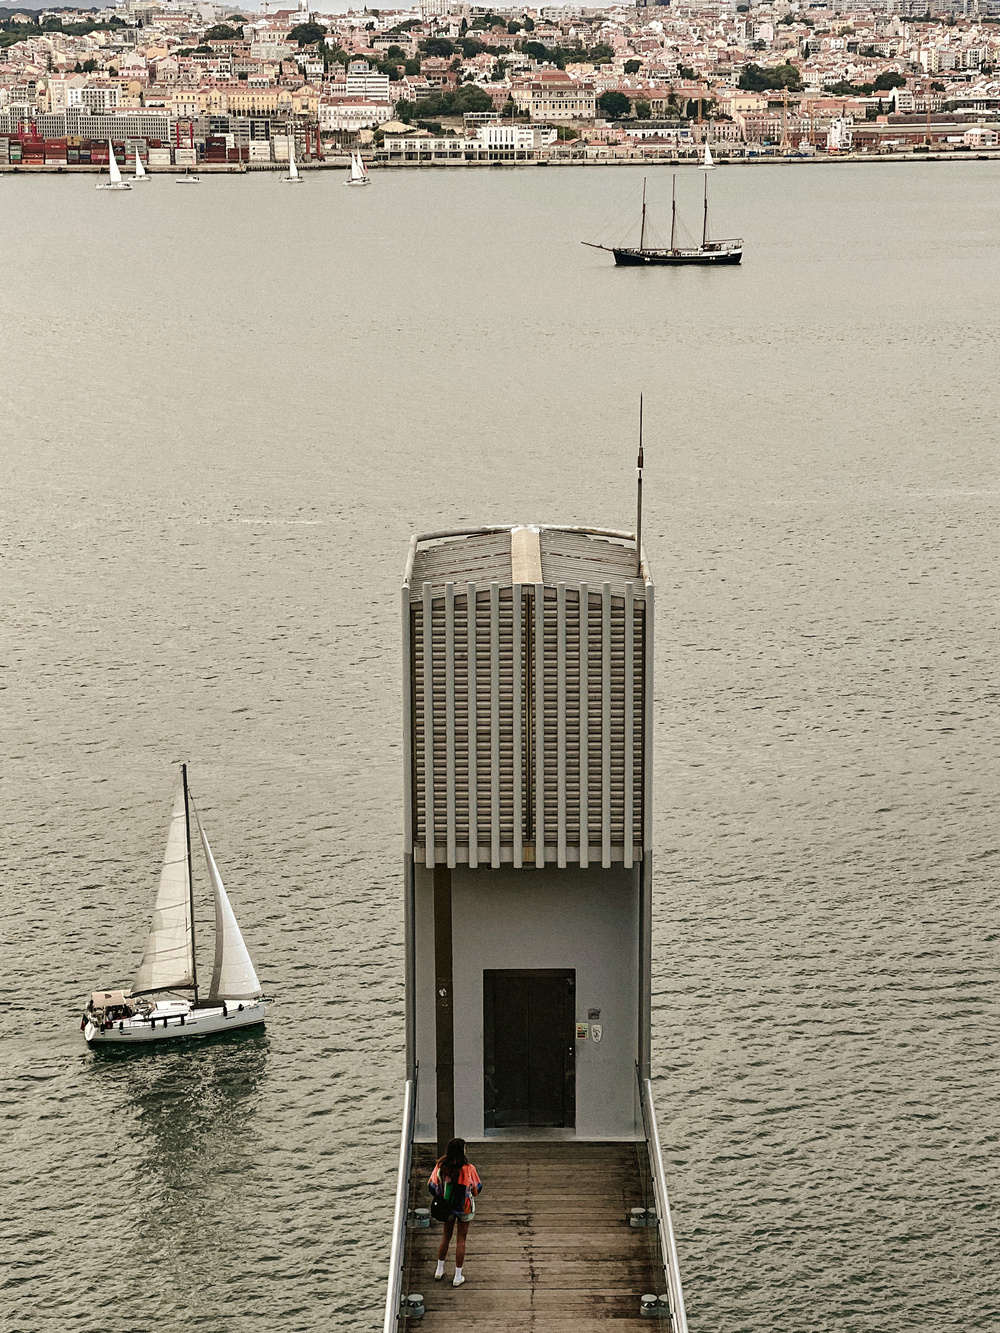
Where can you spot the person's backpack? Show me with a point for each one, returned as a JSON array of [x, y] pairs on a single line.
[[442, 1207]]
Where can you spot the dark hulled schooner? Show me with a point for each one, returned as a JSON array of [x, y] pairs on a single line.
[[708, 252]]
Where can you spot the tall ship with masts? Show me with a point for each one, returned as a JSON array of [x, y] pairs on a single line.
[[165, 1002], [707, 252]]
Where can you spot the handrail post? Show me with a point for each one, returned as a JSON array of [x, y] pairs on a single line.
[[397, 1251]]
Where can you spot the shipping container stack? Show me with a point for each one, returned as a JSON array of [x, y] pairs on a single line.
[[216, 149]]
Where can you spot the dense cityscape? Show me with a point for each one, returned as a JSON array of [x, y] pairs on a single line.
[[207, 84]]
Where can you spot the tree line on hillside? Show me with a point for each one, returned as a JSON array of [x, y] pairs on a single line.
[[11, 32]]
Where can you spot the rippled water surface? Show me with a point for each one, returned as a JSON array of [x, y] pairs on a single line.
[[223, 412]]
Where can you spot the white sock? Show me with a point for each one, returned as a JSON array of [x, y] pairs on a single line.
[[458, 1271], [439, 1271]]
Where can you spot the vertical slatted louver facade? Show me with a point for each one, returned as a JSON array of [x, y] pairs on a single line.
[[528, 700]]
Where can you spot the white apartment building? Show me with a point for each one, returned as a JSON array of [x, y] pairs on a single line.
[[494, 135], [95, 99], [363, 81]]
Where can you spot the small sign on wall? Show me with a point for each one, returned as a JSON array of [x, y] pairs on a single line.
[[596, 1031], [581, 1031]]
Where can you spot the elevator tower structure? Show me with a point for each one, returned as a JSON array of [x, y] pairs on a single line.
[[527, 702]]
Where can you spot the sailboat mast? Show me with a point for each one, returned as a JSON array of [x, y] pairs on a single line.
[[704, 229], [187, 835], [642, 232], [673, 213], [638, 501]]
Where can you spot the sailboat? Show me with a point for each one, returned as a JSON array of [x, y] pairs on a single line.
[[164, 1002], [140, 171], [359, 172], [708, 252], [293, 177], [708, 162], [187, 178], [116, 182]]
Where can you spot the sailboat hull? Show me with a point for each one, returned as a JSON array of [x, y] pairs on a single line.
[[114, 185], [642, 258], [292, 180], [177, 1022]]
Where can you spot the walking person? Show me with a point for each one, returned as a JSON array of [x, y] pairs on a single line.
[[454, 1184]]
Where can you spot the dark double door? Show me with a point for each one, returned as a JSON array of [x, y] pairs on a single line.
[[529, 1048]]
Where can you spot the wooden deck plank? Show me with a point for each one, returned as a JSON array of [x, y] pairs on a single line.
[[550, 1250]]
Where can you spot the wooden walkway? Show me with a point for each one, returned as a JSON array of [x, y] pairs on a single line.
[[550, 1249]]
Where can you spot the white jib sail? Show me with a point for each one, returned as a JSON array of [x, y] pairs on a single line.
[[169, 958], [233, 975], [140, 170], [293, 170], [113, 172], [357, 167]]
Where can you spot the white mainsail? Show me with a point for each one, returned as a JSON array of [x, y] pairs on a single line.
[[708, 164], [293, 170], [113, 172], [169, 958], [233, 975], [140, 170], [358, 169]]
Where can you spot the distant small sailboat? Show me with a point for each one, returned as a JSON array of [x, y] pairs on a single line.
[[140, 171], [188, 179], [359, 172], [293, 177], [116, 182], [708, 162], [154, 1009]]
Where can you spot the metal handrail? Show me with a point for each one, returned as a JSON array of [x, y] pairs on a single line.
[[664, 1226], [397, 1252]]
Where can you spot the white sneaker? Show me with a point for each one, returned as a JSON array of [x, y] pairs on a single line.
[[439, 1272], [457, 1280]]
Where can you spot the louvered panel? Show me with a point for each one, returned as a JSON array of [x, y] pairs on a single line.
[[528, 729], [639, 722], [419, 796]]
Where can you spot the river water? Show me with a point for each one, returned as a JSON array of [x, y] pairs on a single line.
[[223, 412]]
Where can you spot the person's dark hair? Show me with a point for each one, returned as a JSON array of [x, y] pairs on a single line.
[[454, 1159]]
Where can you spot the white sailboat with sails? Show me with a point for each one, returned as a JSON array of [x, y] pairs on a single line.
[[293, 177], [708, 162], [115, 182], [359, 172], [164, 1003], [140, 171]]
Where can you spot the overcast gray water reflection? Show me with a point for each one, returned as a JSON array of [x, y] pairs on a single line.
[[223, 413]]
